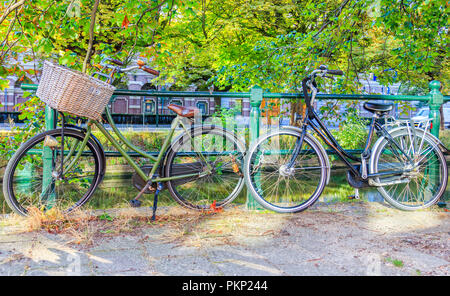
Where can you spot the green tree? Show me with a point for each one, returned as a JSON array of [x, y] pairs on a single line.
[[48, 29], [236, 43]]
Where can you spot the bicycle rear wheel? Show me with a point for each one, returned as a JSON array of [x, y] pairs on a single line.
[[425, 177], [282, 189], [33, 180], [208, 148]]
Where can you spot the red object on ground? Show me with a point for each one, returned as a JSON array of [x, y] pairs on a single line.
[[215, 209]]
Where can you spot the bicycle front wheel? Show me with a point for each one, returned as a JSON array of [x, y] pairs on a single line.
[[214, 153], [33, 177], [274, 184], [424, 176]]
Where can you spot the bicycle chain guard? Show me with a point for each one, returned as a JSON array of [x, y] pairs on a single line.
[[356, 183], [139, 183]]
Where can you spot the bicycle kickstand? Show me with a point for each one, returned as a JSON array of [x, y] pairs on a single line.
[[356, 195], [159, 187]]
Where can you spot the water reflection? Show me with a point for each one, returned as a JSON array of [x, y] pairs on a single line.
[[116, 191]]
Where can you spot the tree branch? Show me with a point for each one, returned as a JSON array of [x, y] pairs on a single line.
[[137, 26], [337, 12], [5, 40], [91, 35], [10, 9], [11, 25]]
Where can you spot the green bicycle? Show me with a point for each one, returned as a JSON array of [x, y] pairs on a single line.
[[64, 166]]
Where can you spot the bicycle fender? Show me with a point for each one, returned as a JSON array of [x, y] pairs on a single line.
[[438, 142], [324, 153]]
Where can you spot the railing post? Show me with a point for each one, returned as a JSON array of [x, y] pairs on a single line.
[[157, 111], [435, 102], [47, 154], [256, 97]]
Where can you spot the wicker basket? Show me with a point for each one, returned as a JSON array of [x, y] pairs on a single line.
[[73, 92]]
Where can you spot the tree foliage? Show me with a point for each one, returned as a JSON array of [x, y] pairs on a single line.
[[234, 44], [59, 30]]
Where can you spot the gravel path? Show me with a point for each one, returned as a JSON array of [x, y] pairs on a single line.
[[357, 238]]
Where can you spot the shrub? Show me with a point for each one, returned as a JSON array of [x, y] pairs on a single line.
[[351, 135]]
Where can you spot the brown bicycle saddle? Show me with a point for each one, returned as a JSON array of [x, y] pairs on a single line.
[[183, 111]]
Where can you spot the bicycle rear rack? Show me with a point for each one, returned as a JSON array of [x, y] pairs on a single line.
[[392, 123]]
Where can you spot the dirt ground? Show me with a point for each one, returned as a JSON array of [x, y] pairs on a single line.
[[349, 238]]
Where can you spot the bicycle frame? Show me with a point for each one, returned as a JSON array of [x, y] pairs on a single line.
[[123, 141], [312, 119], [156, 160], [118, 145]]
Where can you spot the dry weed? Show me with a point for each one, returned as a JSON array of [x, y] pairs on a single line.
[[227, 227], [78, 225], [181, 226]]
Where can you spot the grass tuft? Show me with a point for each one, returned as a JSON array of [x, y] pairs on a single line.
[[395, 262]]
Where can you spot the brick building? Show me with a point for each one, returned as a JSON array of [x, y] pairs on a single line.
[[136, 105], [139, 80]]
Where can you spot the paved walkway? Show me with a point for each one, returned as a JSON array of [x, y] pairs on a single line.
[[340, 239]]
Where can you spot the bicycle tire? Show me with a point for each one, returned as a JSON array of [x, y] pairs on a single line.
[[258, 192], [183, 193], [9, 176], [434, 180]]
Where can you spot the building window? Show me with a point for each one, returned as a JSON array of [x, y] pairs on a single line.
[[148, 86], [236, 105], [149, 104], [203, 106], [150, 107]]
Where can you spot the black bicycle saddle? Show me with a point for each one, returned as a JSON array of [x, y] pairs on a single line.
[[378, 107]]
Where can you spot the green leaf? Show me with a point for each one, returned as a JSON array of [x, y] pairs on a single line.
[[4, 84]]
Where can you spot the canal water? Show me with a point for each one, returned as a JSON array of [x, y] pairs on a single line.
[[118, 190]]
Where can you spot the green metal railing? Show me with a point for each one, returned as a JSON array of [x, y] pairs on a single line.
[[256, 95]]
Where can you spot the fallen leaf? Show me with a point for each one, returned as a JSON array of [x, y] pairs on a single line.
[[215, 209], [125, 22]]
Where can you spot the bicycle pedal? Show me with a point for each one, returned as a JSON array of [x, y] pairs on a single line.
[[135, 203]]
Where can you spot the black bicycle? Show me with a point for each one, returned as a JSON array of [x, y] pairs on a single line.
[[287, 170]]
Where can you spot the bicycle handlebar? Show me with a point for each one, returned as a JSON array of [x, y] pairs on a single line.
[[309, 82], [117, 62], [335, 72], [141, 65], [150, 71]]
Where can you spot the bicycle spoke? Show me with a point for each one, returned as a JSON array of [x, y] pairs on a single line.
[[221, 183]]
